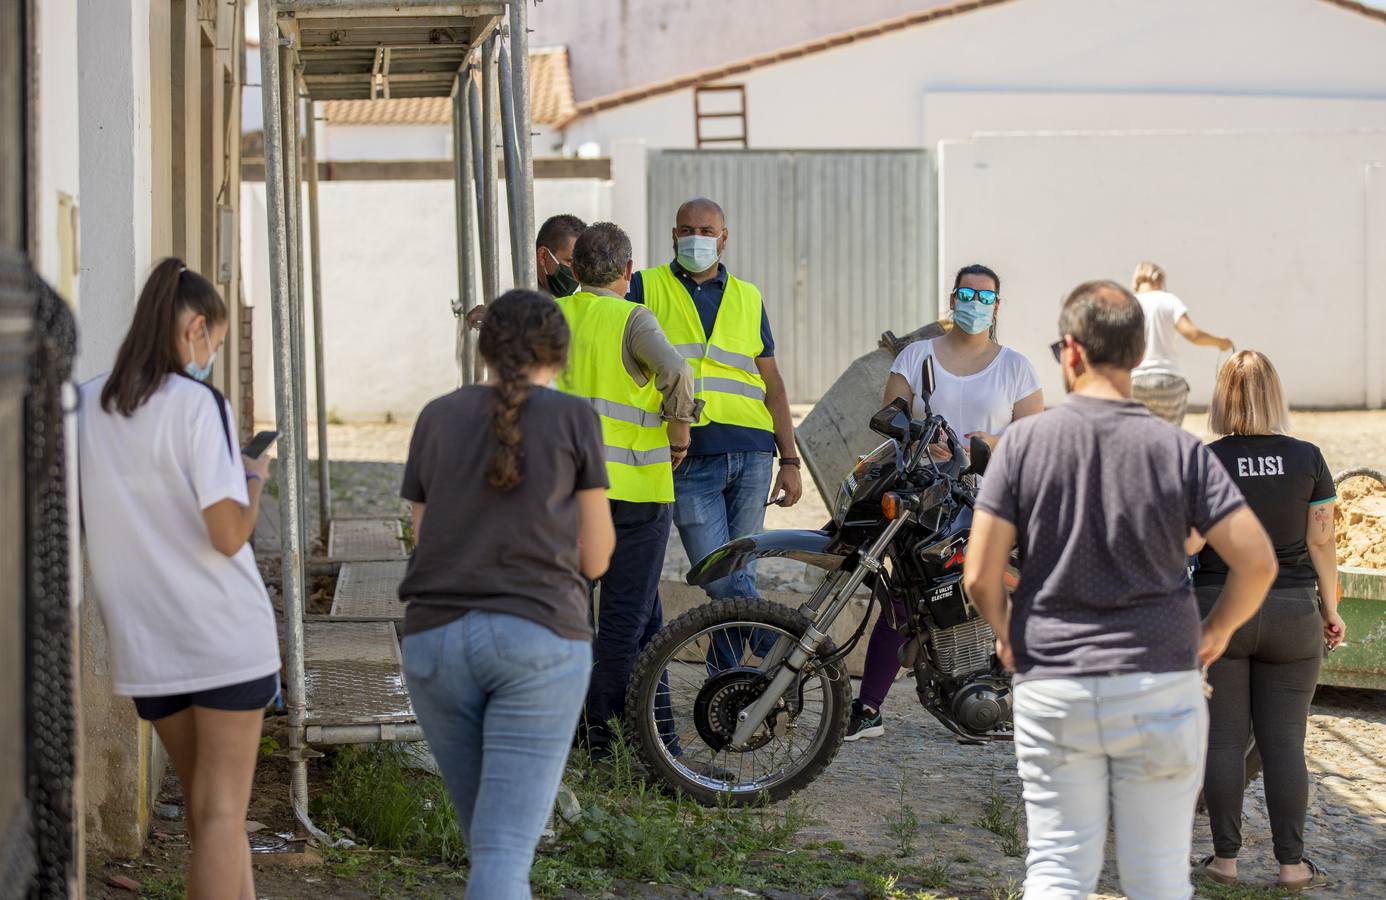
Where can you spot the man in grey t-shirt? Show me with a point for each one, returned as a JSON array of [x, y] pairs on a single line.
[[1103, 631]]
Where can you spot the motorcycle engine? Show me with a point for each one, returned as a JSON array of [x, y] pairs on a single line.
[[978, 701]]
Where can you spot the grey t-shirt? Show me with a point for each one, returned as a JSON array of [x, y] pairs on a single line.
[[1102, 495], [510, 552]]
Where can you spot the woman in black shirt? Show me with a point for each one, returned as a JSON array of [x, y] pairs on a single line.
[[511, 520], [1265, 681]]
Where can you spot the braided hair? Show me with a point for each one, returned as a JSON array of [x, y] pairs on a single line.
[[523, 330]]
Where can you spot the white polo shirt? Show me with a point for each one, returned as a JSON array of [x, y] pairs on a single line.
[[180, 616]]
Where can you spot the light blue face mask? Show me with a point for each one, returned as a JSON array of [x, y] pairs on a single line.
[[697, 252], [193, 370], [973, 316]]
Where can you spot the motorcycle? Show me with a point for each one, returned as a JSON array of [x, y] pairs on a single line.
[[744, 699]]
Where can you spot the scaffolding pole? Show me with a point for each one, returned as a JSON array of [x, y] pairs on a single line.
[[290, 439], [490, 239], [511, 152], [319, 367], [463, 192], [474, 123], [519, 46]]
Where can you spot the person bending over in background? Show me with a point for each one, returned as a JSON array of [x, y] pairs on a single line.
[[168, 509], [1103, 632], [1158, 381], [1265, 681], [980, 388], [510, 521]]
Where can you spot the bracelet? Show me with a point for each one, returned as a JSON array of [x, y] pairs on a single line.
[[253, 476], [679, 449], [789, 461]]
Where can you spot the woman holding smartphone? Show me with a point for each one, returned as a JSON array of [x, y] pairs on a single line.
[[168, 509], [508, 485]]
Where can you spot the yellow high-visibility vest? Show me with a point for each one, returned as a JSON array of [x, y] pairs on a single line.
[[635, 437], [725, 375]]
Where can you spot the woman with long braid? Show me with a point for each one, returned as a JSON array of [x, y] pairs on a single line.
[[508, 486]]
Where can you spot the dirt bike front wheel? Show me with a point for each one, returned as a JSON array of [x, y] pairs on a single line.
[[700, 671]]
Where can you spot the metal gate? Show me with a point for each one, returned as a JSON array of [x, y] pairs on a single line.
[[840, 243]]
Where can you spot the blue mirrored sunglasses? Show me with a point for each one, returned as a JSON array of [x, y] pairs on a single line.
[[967, 295]]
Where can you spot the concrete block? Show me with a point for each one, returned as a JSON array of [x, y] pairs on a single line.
[[837, 431]]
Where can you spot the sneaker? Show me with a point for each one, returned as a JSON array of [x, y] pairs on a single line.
[[864, 723]]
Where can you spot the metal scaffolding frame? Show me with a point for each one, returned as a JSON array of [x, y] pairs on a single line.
[[313, 50]]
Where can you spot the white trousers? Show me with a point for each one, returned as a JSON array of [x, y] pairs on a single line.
[[1126, 746]]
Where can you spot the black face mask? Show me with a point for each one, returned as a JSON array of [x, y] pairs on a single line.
[[562, 282]]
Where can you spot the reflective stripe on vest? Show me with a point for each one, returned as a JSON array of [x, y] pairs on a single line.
[[634, 437], [726, 377]]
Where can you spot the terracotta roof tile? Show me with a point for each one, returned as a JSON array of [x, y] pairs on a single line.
[[550, 92]]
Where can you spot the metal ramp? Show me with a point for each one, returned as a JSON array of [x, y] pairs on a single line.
[[353, 540], [354, 684], [369, 590]]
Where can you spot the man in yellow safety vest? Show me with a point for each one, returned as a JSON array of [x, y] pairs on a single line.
[[718, 322], [642, 390]]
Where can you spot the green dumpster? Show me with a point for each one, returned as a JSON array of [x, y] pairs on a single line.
[[1361, 661]]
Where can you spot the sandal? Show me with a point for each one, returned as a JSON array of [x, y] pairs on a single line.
[[1317, 878], [1212, 875]]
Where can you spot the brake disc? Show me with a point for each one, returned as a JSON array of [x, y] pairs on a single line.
[[721, 700]]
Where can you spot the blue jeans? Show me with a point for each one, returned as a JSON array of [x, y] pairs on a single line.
[[629, 615], [717, 499], [498, 698]]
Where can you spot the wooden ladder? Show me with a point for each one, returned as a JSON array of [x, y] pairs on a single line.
[[738, 112]]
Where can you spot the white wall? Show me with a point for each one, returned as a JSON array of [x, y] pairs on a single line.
[[58, 128], [1266, 240], [115, 176], [387, 142], [872, 93], [389, 274]]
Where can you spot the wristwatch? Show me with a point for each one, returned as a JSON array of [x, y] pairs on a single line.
[[789, 461]]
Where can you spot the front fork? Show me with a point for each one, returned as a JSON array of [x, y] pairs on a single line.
[[790, 656]]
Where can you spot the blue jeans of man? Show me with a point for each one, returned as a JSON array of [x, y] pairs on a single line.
[[628, 616], [498, 698], [716, 499]]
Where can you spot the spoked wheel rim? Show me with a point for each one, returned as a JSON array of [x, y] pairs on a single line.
[[709, 682]]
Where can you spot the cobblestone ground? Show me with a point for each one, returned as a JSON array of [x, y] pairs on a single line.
[[949, 787]]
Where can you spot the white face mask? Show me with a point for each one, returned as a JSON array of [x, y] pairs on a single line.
[[697, 252]]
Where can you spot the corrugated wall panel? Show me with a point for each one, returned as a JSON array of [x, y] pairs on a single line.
[[839, 243]]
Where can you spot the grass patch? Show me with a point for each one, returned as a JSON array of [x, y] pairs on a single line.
[[1206, 887], [1004, 820], [627, 831], [165, 888]]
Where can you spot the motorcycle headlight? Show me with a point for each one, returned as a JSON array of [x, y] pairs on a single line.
[[844, 500]]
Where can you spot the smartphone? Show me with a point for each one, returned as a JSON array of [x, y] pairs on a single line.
[[776, 501], [259, 444]]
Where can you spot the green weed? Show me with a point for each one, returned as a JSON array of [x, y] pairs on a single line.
[[1204, 887], [1005, 821], [903, 824], [1007, 890], [166, 888], [268, 746]]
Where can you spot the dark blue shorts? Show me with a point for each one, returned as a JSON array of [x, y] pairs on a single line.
[[247, 695]]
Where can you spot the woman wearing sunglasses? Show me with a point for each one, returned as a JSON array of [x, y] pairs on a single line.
[[980, 387], [1158, 381]]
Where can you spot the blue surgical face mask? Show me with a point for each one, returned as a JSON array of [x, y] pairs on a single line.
[[697, 252], [201, 373], [973, 316]]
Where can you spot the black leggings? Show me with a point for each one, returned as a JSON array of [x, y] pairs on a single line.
[[1264, 684]]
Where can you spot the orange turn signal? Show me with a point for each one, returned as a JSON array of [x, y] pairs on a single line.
[[891, 505]]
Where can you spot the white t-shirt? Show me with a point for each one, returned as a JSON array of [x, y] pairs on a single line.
[[180, 616], [970, 403], [1162, 309]]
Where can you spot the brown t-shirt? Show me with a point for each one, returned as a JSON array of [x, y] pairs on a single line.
[[511, 552]]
